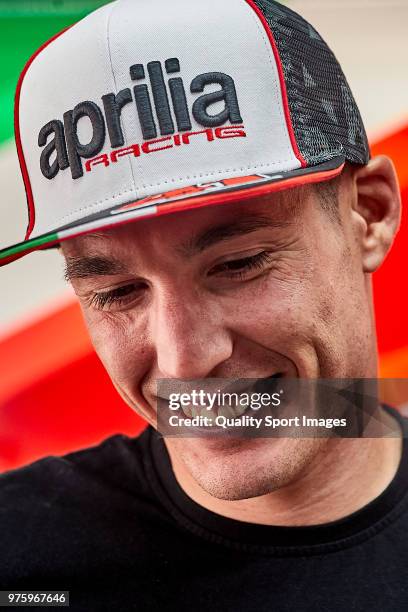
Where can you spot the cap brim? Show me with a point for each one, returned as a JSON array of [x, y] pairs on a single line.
[[194, 196]]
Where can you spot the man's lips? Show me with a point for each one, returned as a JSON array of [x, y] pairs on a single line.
[[239, 385]]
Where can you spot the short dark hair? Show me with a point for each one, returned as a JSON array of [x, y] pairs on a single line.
[[328, 193], [328, 196]]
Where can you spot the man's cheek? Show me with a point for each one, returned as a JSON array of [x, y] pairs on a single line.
[[111, 342], [278, 310], [300, 321], [101, 331]]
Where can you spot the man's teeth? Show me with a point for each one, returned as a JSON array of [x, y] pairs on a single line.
[[265, 385], [226, 410], [188, 410]]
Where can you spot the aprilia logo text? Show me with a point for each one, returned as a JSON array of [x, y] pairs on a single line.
[[67, 150]]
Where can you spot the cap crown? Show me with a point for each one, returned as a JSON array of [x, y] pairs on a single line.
[[142, 97]]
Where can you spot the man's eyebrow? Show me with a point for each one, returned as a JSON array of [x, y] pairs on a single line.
[[96, 265], [225, 231], [83, 267]]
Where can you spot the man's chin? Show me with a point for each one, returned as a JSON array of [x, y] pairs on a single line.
[[234, 469]]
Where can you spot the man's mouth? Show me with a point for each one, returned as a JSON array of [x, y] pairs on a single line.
[[235, 399]]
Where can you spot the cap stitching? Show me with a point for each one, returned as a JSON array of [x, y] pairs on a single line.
[[94, 204], [208, 174], [193, 176]]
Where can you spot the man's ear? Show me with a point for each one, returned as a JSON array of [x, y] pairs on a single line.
[[376, 209]]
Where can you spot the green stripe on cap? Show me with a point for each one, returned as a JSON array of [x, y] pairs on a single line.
[[28, 244]]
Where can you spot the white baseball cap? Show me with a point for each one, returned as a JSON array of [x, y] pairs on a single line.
[[148, 107]]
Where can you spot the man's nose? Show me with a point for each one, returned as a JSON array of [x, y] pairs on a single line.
[[188, 335]]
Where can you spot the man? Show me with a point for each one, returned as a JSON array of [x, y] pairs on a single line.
[[237, 120]]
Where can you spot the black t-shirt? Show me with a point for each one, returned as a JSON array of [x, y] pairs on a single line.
[[111, 525]]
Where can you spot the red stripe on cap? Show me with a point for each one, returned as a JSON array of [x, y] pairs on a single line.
[[213, 199], [249, 193], [282, 82], [21, 159]]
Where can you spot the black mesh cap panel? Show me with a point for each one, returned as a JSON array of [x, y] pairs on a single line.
[[325, 117]]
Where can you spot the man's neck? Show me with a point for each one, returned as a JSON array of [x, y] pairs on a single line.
[[349, 474]]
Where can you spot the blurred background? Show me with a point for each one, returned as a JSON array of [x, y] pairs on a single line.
[[54, 394]]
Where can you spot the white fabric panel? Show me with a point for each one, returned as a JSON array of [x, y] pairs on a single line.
[[205, 36], [93, 58], [73, 68]]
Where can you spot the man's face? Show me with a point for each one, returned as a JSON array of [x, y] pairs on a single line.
[[269, 286]]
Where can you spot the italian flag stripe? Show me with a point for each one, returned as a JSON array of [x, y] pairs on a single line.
[[29, 244], [54, 237]]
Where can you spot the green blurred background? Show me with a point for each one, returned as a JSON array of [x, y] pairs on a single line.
[[24, 26]]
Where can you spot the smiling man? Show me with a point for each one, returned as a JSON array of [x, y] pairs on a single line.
[[205, 172]]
